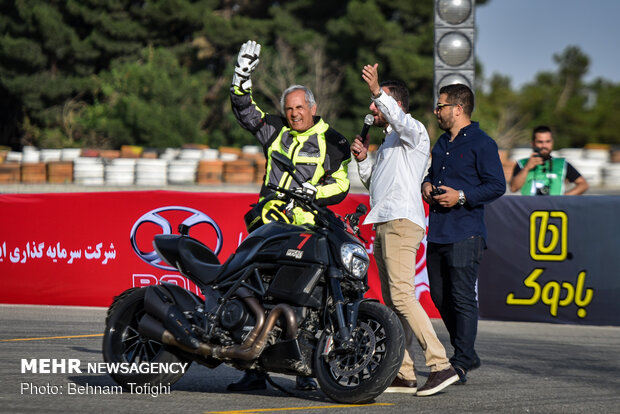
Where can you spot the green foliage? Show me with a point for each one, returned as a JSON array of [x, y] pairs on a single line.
[[577, 112], [50, 51], [153, 102], [157, 73], [605, 112], [498, 112]]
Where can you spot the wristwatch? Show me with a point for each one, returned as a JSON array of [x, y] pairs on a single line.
[[461, 198]]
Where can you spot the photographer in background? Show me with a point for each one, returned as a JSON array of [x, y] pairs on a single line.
[[543, 175]]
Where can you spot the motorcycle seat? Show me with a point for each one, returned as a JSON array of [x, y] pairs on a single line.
[[198, 260]]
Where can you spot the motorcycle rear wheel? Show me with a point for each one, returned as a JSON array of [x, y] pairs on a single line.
[[122, 343], [359, 377]]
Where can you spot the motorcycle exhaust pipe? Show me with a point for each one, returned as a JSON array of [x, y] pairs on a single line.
[[248, 350], [259, 314], [156, 302], [161, 307], [152, 328], [257, 347], [253, 350]]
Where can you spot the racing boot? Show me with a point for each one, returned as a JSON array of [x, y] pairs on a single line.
[[305, 384], [251, 380]]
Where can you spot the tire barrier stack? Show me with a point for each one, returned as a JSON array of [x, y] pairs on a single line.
[[133, 166], [88, 171], [589, 162], [33, 173], [198, 165], [210, 172], [611, 175], [120, 171], [59, 172], [182, 171], [151, 172]]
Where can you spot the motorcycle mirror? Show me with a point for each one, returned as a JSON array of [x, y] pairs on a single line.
[[361, 209]]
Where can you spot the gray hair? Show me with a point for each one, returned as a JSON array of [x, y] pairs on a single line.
[[308, 93]]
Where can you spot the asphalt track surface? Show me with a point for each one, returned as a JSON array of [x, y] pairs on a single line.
[[527, 368]]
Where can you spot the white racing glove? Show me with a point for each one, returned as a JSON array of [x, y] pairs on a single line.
[[307, 190], [247, 60]]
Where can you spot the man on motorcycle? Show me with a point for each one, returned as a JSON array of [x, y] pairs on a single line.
[[321, 156]]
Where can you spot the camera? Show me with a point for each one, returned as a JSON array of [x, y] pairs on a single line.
[[542, 190], [437, 191], [538, 153]]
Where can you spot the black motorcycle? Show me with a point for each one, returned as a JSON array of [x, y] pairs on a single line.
[[289, 300]]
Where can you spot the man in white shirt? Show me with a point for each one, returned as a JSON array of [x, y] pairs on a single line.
[[397, 213]]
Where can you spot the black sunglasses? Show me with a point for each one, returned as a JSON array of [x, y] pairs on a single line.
[[441, 105]]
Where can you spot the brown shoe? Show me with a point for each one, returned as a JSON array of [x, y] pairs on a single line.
[[437, 381], [403, 386]]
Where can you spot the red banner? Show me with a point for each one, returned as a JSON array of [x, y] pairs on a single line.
[[84, 248]]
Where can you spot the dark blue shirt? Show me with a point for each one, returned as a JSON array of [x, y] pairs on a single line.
[[470, 163]]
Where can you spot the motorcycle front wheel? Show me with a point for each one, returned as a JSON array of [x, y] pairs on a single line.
[[360, 376], [123, 344]]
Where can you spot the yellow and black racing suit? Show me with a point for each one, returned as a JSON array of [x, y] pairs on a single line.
[[321, 155]]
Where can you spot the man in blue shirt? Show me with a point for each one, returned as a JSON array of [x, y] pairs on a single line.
[[465, 174]]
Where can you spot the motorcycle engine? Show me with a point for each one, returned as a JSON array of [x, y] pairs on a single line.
[[236, 319]]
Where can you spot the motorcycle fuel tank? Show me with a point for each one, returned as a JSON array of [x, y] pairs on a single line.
[[284, 242]]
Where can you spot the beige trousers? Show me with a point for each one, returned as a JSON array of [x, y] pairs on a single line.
[[395, 247]]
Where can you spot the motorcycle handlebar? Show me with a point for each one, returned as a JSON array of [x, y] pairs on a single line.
[[354, 220], [305, 203], [318, 212]]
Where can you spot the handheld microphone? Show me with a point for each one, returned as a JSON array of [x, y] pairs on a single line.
[[368, 121]]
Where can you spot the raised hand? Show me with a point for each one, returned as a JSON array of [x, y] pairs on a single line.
[[247, 60]]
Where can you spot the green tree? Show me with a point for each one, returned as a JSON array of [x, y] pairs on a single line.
[[498, 112], [80, 72], [605, 113], [50, 51], [558, 99], [152, 102]]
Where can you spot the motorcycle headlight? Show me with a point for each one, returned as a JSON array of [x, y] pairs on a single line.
[[355, 259]]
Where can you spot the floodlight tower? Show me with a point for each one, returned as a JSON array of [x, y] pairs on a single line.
[[454, 43]]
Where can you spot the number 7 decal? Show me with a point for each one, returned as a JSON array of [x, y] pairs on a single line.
[[305, 237]]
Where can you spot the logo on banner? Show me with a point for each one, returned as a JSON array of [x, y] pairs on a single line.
[[154, 217], [548, 235], [549, 242], [555, 294]]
